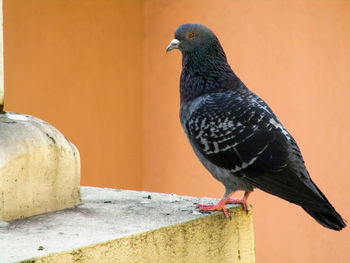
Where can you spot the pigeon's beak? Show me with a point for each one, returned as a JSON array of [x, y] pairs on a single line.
[[174, 44]]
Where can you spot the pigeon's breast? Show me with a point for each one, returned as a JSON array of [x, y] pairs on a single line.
[[186, 109]]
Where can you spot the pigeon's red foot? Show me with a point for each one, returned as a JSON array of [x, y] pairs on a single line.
[[242, 200], [219, 206]]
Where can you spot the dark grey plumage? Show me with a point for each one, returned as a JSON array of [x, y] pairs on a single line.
[[235, 134]]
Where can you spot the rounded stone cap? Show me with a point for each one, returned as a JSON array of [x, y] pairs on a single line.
[[39, 168]]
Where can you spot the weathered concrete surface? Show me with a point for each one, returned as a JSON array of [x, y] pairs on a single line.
[[129, 226], [39, 168]]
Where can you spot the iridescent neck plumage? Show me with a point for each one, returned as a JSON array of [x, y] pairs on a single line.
[[205, 71]]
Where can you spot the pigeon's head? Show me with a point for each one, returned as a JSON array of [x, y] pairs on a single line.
[[189, 37]]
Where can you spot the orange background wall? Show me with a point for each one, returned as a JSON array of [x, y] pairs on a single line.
[[97, 71], [78, 66]]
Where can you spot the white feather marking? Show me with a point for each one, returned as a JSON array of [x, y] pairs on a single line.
[[216, 147], [203, 123], [279, 126], [205, 143], [244, 165]]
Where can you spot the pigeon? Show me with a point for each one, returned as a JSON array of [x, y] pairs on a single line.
[[236, 135]]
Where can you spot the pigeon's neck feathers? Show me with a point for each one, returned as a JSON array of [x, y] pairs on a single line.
[[205, 70]]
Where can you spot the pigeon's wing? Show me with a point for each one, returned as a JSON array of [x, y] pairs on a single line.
[[243, 136], [235, 133]]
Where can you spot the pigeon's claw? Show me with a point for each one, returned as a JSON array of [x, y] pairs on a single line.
[[239, 201], [242, 201], [218, 207]]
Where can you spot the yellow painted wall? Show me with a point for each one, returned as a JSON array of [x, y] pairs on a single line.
[[97, 70]]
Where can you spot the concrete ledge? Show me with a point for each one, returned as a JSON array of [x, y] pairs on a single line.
[[129, 226], [39, 168]]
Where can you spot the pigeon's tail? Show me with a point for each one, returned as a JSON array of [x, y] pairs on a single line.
[[302, 192], [327, 217], [330, 220]]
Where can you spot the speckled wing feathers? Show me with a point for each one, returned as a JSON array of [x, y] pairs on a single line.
[[235, 133]]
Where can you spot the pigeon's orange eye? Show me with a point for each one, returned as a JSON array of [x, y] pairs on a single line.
[[190, 34]]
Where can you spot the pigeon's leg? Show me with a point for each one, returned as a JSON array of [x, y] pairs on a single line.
[[219, 206], [242, 200]]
